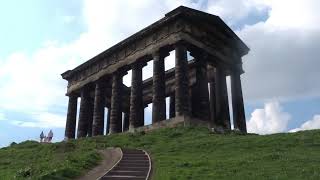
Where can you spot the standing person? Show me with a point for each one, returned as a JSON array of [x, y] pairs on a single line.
[[50, 135], [41, 136]]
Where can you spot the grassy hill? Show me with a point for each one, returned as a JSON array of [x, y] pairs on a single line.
[[179, 153]]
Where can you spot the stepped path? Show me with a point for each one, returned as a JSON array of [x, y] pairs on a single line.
[[134, 165]]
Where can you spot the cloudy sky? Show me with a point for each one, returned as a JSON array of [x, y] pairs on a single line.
[[41, 39]]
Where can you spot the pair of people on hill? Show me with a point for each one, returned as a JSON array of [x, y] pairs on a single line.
[[48, 138]]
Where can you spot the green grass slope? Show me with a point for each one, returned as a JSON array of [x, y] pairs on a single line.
[[178, 153]]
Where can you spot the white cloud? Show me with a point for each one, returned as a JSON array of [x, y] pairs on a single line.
[[2, 116], [270, 119], [284, 52], [43, 120], [234, 11], [68, 19], [311, 124]]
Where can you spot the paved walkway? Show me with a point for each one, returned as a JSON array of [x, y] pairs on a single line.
[[134, 165]]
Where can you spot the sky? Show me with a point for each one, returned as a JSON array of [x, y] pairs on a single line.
[[41, 39]]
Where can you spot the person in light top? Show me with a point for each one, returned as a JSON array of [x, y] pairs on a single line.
[[50, 135]]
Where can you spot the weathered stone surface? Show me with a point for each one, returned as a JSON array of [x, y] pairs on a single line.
[[126, 121], [158, 98], [212, 102], [200, 92], [239, 119], [181, 81], [172, 111], [222, 105], [84, 113], [136, 103], [209, 40], [90, 116], [108, 121], [99, 104], [116, 115], [70, 130]]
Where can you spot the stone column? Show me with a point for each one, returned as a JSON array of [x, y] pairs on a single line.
[[200, 94], [158, 88], [108, 122], [239, 119], [172, 106], [181, 81], [222, 105], [212, 101], [115, 115], [84, 113], [126, 121], [70, 130], [136, 104], [98, 113], [90, 116]]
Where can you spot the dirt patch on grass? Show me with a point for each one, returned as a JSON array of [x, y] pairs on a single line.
[[110, 157]]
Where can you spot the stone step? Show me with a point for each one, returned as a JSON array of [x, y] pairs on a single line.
[[128, 173], [122, 178], [133, 165], [135, 157], [133, 168]]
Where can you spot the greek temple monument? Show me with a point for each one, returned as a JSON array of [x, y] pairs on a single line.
[[206, 52]]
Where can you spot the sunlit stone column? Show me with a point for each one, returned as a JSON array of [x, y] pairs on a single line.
[[116, 115], [158, 88], [99, 104], [181, 80], [70, 130], [136, 104], [84, 113], [222, 105], [239, 119]]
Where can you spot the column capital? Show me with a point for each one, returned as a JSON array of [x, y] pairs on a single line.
[[160, 53]]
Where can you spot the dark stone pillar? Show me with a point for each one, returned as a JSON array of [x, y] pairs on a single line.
[[126, 121], [222, 105], [136, 104], [181, 81], [108, 122], [90, 116], [212, 102], [84, 113], [98, 113], [70, 130], [158, 88], [200, 93], [172, 110], [116, 115], [239, 119]]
